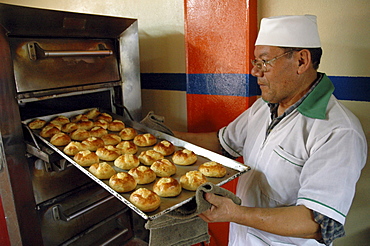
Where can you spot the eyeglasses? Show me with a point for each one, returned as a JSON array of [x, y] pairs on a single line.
[[262, 64]]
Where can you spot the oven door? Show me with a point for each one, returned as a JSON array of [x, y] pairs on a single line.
[[84, 217]]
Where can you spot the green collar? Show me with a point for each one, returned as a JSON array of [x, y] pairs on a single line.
[[314, 105]]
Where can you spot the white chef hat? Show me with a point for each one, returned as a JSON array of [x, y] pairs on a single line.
[[289, 31]]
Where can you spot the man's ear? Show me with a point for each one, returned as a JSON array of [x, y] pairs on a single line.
[[304, 60]]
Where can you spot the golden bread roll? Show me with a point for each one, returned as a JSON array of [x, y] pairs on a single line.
[[167, 187], [212, 169], [37, 124], [102, 170], [78, 118], [111, 139], [48, 131], [73, 148], [145, 200], [50, 125], [60, 120], [116, 125], [122, 182], [85, 124], [127, 147], [163, 168], [128, 133], [127, 161], [104, 116], [101, 123], [60, 139], [192, 180], [144, 140], [164, 147], [79, 134], [184, 157], [69, 127], [142, 174], [93, 143], [108, 153], [93, 113], [86, 158], [98, 132], [150, 156]]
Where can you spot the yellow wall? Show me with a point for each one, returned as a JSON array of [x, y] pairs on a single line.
[[345, 36]]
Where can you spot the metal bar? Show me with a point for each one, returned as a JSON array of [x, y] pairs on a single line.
[[59, 214], [78, 53]]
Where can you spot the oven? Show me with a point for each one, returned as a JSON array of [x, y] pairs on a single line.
[[54, 62]]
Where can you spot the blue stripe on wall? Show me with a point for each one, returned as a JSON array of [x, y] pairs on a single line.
[[163, 81], [351, 88], [346, 88]]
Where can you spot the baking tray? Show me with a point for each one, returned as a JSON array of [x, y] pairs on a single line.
[[234, 168]]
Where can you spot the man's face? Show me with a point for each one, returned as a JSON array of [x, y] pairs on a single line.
[[280, 83]]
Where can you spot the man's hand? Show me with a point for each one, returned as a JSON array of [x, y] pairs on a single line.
[[222, 210], [291, 221]]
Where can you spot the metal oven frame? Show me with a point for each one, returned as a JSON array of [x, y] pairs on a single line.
[[16, 190]]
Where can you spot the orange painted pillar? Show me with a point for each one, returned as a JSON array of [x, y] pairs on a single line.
[[219, 37]]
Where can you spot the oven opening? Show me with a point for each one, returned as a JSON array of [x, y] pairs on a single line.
[[102, 99]]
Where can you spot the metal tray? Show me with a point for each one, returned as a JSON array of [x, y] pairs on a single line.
[[234, 168]]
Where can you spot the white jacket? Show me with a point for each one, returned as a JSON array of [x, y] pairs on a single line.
[[313, 157]]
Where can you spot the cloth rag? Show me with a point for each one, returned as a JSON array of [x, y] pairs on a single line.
[[182, 226], [156, 122]]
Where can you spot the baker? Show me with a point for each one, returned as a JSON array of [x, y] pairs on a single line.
[[306, 150]]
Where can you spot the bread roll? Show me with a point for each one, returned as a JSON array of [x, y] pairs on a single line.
[[98, 132], [164, 147], [73, 148], [111, 139], [86, 158], [93, 113], [149, 156], [79, 134], [78, 118], [105, 116], [85, 124], [184, 157], [144, 140], [48, 131], [127, 161], [128, 133], [108, 153], [102, 170], [69, 127], [122, 182], [60, 139], [60, 120], [37, 124], [212, 169], [142, 174], [50, 125], [116, 125], [192, 180], [93, 143], [163, 168], [145, 200], [101, 123], [127, 147], [167, 187]]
